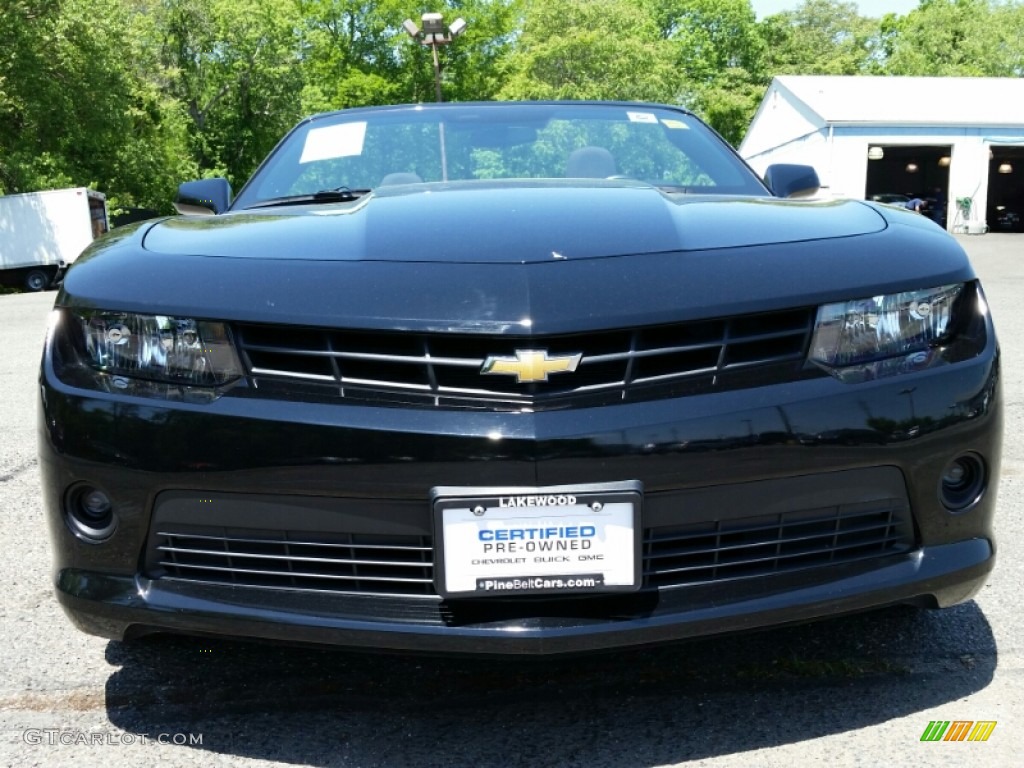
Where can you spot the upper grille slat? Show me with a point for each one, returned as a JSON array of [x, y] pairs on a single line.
[[373, 356], [294, 574], [290, 558], [443, 368], [296, 542]]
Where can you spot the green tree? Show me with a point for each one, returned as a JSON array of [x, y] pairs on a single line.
[[1008, 19], [596, 49], [956, 38], [235, 67], [26, 23], [357, 53], [710, 36], [728, 103], [717, 52], [73, 109], [476, 65], [819, 37], [350, 53]]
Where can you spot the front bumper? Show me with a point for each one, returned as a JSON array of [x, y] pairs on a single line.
[[709, 457], [126, 606]]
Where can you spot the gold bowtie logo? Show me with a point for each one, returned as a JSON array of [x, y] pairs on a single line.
[[531, 365]]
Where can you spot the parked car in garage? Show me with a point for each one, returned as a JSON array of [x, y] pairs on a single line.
[[891, 198], [1008, 221]]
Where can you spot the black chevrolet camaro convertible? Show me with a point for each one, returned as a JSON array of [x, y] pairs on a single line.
[[516, 379]]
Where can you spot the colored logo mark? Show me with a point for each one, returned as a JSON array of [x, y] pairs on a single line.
[[531, 365], [958, 730]]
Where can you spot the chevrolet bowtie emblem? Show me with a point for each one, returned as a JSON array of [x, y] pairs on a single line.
[[531, 365]]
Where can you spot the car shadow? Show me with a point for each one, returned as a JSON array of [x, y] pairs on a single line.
[[642, 707]]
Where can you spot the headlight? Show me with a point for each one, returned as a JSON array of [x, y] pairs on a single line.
[[884, 335], [149, 355]]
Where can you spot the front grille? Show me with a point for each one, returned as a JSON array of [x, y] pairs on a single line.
[[353, 563], [445, 369], [778, 543], [402, 565]]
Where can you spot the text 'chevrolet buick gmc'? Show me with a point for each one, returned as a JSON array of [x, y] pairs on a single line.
[[516, 378]]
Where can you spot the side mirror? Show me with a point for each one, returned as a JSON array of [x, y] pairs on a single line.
[[204, 197], [785, 180]]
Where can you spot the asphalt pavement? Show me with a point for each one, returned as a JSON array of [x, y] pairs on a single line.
[[853, 691]]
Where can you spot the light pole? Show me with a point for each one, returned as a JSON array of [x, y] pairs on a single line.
[[434, 34]]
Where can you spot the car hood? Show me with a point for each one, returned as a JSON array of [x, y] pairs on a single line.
[[348, 266], [509, 223]]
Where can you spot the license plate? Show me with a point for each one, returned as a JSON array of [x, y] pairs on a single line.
[[503, 542]]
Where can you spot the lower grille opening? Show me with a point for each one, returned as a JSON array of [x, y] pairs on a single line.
[[694, 553], [360, 563], [780, 543], [384, 547]]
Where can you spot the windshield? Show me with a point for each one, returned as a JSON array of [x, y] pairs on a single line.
[[368, 149]]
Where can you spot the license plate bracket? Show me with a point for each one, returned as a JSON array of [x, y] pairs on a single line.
[[506, 542]]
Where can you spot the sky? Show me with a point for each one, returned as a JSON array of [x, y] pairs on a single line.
[[872, 8]]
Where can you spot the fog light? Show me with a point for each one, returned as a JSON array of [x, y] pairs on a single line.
[[954, 474], [90, 513], [962, 482]]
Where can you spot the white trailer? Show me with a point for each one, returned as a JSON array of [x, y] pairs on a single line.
[[41, 233]]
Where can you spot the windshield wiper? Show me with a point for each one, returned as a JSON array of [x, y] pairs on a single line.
[[336, 195]]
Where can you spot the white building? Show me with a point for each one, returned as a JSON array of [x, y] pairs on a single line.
[[944, 138]]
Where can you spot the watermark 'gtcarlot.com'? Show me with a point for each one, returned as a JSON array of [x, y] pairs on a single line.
[[53, 737]]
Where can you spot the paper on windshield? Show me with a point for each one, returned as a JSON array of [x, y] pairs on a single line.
[[331, 141]]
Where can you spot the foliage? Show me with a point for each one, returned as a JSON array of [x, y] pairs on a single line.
[[956, 38], [820, 37], [716, 49], [475, 67], [355, 52], [234, 66], [350, 53], [132, 96], [72, 109], [599, 49], [709, 36], [729, 103]]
